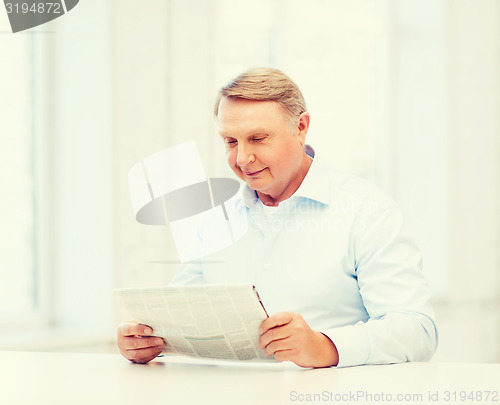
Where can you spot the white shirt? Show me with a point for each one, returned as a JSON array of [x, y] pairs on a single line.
[[337, 253]]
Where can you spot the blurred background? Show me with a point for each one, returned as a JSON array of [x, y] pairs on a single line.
[[405, 93]]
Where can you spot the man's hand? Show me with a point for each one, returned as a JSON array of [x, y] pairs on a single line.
[[289, 337], [136, 343]]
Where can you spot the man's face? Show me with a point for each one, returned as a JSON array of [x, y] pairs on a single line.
[[261, 148]]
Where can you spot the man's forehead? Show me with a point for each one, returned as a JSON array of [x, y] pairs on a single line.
[[255, 116]]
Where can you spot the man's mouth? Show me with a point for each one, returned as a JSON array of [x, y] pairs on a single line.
[[250, 174]]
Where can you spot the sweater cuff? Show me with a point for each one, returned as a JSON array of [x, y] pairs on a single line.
[[352, 344]]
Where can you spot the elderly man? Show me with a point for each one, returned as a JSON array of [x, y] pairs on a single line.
[[326, 250]]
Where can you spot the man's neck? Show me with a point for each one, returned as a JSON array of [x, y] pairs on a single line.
[[274, 200]]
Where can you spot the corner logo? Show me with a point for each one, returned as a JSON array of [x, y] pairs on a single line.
[[26, 14]]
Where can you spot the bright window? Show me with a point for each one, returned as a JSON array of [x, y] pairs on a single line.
[[18, 220]]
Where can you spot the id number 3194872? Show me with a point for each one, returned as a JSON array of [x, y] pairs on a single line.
[[41, 7]]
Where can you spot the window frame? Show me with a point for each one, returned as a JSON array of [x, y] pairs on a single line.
[[37, 315]]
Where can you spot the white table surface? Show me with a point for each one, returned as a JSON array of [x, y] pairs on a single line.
[[93, 379]]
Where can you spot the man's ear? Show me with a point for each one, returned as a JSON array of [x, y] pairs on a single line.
[[303, 127]]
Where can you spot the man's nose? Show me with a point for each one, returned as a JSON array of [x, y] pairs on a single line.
[[245, 156]]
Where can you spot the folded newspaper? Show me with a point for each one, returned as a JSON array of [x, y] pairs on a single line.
[[217, 321]]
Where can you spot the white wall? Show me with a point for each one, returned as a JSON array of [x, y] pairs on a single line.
[[141, 121], [419, 123], [471, 316], [79, 132]]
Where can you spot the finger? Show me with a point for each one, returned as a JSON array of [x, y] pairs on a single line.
[[277, 319], [147, 359], [278, 345], [142, 355], [131, 343], [276, 333], [134, 329], [284, 355]]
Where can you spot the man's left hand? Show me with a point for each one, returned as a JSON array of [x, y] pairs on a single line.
[[288, 337]]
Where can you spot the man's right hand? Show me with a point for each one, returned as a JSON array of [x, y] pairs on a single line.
[[136, 343]]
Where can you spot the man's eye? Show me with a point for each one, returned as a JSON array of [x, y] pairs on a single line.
[[258, 139], [230, 141]]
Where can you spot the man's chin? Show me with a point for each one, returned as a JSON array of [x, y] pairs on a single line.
[[259, 185]]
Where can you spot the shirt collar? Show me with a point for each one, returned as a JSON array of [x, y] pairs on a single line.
[[315, 186]]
